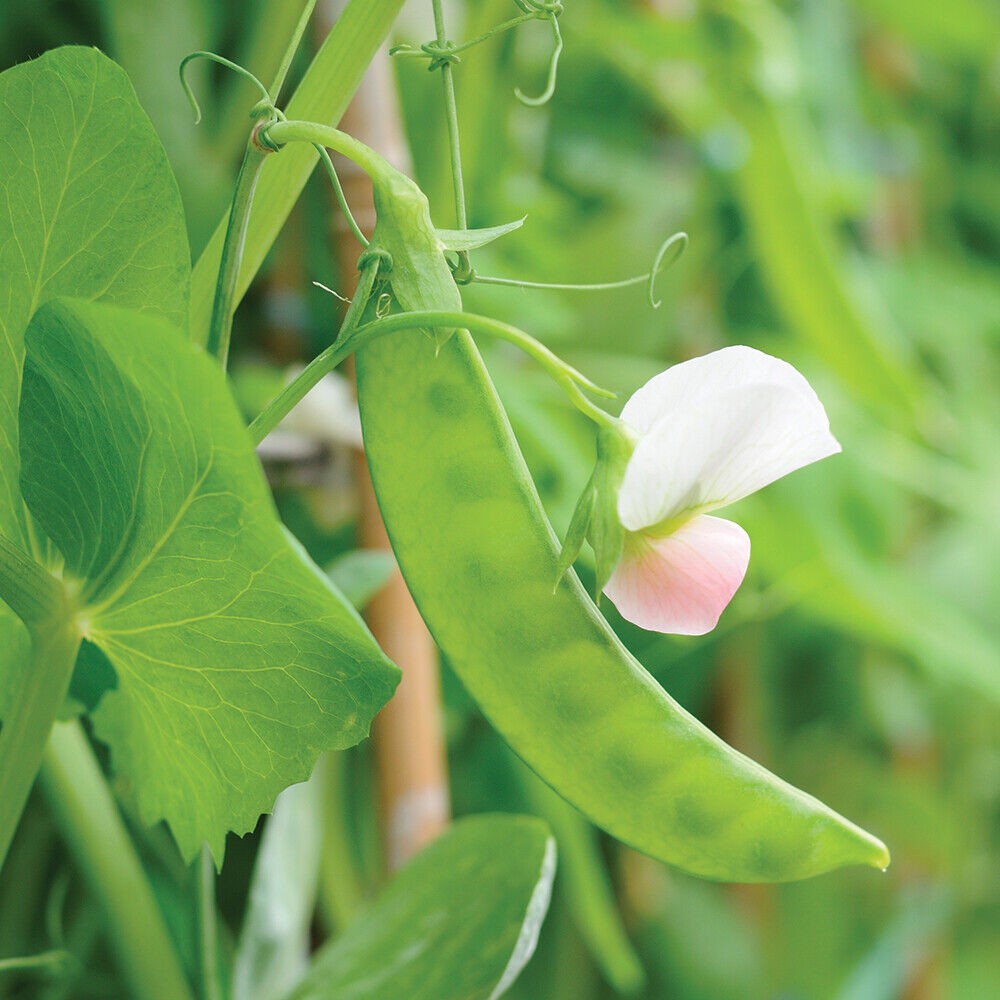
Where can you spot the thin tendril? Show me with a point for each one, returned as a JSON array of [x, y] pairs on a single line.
[[550, 86], [222, 61], [432, 51], [442, 52], [338, 191], [677, 243]]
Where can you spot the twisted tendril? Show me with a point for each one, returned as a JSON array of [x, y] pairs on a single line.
[[446, 53], [548, 10], [222, 61], [673, 245], [264, 113]]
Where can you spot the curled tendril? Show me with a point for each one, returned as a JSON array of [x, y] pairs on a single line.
[[541, 7], [552, 12], [461, 267], [445, 53], [441, 54], [222, 61], [673, 246]]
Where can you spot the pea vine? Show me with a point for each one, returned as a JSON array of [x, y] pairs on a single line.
[[155, 591]]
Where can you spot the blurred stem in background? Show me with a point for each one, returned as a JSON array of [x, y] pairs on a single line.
[[88, 817]]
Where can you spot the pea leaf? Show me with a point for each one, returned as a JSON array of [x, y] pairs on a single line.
[[237, 661], [458, 923], [88, 207], [361, 573]]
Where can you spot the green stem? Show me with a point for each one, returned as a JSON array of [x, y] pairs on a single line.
[[364, 156], [83, 807], [338, 192], [323, 94], [39, 689], [226, 294], [566, 376], [207, 926], [46, 960], [464, 270]]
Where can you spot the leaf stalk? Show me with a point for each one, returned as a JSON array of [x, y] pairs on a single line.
[[89, 819]]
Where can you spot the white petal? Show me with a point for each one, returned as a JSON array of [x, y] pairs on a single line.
[[682, 583], [731, 433], [693, 384]]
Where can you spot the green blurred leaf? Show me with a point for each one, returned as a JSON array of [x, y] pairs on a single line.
[[360, 574], [960, 28], [237, 661], [459, 922], [583, 876], [273, 949], [888, 966]]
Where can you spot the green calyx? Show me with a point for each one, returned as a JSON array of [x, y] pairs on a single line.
[[595, 518]]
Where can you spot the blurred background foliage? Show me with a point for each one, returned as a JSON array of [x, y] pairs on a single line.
[[835, 164]]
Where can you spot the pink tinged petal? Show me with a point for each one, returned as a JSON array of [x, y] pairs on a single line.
[[681, 584], [726, 439]]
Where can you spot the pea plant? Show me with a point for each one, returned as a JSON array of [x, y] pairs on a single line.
[[153, 594]]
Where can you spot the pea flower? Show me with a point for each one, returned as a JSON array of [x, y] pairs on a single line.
[[697, 437]]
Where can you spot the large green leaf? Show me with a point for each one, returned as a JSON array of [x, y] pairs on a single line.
[[458, 923], [237, 661], [88, 207]]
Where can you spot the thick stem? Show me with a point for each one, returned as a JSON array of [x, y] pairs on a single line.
[[226, 290], [89, 819], [316, 134], [39, 689]]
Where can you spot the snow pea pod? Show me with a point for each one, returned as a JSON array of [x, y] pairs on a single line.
[[480, 558]]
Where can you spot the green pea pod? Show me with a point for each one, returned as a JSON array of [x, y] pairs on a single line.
[[480, 557]]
